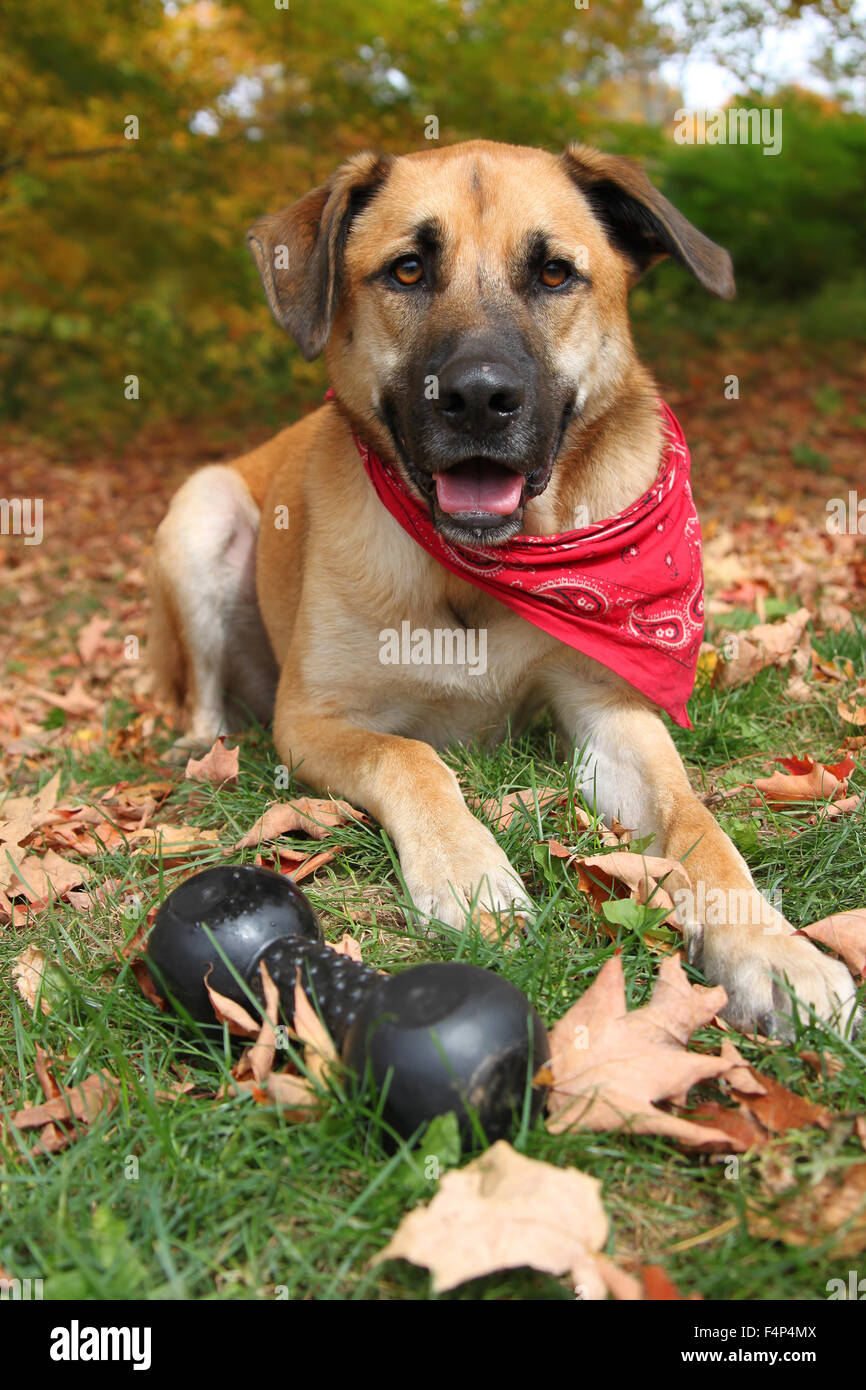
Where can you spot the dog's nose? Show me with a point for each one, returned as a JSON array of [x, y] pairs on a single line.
[[480, 395]]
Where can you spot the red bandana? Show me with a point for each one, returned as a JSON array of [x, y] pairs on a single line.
[[628, 592]]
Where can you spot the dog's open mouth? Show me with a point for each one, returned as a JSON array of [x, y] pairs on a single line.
[[479, 491]]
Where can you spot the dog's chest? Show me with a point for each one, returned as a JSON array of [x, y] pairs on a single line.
[[448, 665]]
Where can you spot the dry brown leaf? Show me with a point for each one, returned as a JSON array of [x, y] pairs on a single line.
[[27, 972], [145, 983], [220, 765], [45, 1075], [501, 812], [857, 715], [76, 701], [779, 1109], [320, 1054], [824, 1063], [833, 809], [739, 1075], [834, 1209], [264, 1049], [860, 1129], [305, 815], [40, 879], [347, 946], [504, 1211], [814, 783], [295, 1094], [171, 841], [52, 1140], [610, 1066], [91, 639], [645, 877], [84, 1103], [798, 690], [754, 648], [23, 814], [834, 615], [297, 866], [658, 1285], [240, 1023], [736, 1122], [845, 934]]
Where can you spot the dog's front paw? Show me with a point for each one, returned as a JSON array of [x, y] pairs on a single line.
[[768, 976], [451, 877]]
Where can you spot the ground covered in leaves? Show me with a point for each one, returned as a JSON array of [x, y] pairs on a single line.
[[138, 1161]]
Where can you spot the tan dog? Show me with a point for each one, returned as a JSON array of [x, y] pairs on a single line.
[[502, 274]]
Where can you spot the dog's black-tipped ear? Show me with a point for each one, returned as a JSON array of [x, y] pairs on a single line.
[[642, 223], [299, 251]]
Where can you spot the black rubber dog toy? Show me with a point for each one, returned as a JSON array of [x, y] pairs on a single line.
[[438, 1037]]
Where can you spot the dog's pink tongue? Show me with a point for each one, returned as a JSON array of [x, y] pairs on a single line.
[[479, 487]]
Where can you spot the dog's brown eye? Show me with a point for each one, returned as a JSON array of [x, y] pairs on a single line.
[[554, 274], [408, 270]]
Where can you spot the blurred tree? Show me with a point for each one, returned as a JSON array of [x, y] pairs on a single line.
[[140, 139], [742, 36]]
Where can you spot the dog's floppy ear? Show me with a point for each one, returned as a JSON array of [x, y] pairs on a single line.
[[299, 251], [642, 223]]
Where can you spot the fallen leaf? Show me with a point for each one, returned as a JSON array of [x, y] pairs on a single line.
[[834, 1209], [171, 842], [347, 946], [647, 878], [84, 1103], [505, 1211], [305, 814], [609, 1065], [91, 639], [27, 972], [845, 934], [295, 865], [824, 1063], [240, 1023], [798, 690], [220, 765], [755, 648], [294, 1094], [501, 811], [41, 879], [45, 1075], [146, 985], [320, 1054], [779, 1109], [857, 715], [657, 1284], [734, 1121], [809, 781], [263, 1051]]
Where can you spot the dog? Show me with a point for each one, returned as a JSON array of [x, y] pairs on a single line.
[[471, 304]]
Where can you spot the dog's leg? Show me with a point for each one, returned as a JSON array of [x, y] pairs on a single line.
[[449, 860], [633, 771], [207, 640]]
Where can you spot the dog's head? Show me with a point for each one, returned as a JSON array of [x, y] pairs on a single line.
[[471, 302]]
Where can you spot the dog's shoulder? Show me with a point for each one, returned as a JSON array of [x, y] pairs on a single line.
[[285, 453]]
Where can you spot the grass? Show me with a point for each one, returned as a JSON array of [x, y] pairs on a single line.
[[224, 1199]]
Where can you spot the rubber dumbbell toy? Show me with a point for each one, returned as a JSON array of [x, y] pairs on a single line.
[[438, 1037]]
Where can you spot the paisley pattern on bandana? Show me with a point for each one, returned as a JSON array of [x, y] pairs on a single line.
[[627, 592]]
